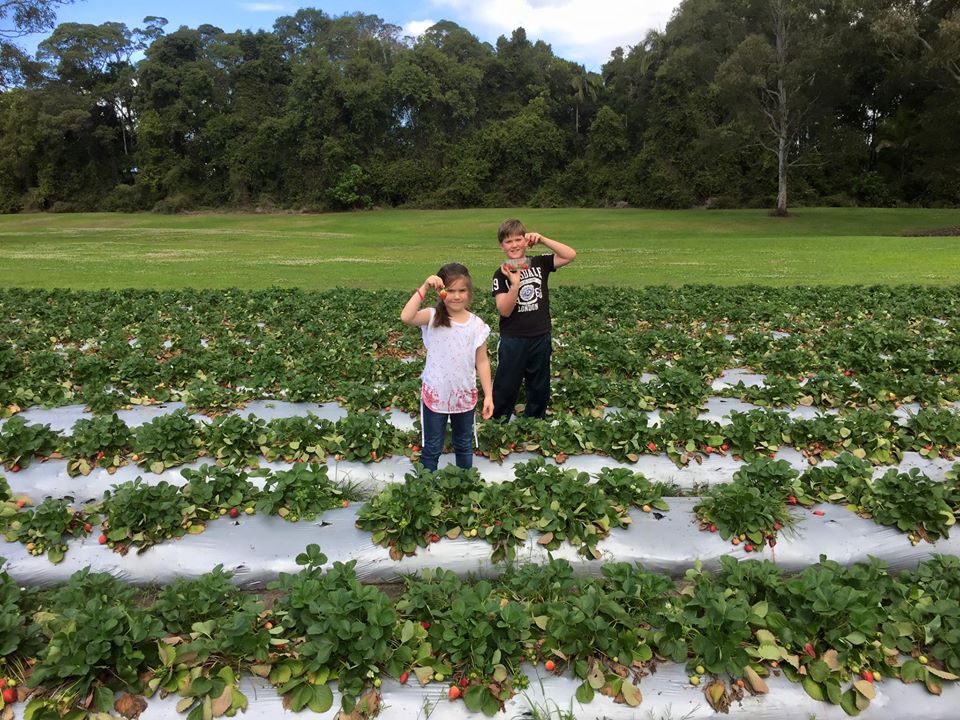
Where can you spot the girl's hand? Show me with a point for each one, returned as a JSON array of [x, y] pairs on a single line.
[[433, 282], [487, 411]]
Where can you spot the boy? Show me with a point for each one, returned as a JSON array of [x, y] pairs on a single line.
[[523, 301]]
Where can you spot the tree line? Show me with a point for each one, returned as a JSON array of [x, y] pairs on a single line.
[[755, 103]]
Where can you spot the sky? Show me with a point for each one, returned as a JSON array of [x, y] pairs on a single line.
[[583, 31]]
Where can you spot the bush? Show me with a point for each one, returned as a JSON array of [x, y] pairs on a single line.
[[124, 198], [173, 204]]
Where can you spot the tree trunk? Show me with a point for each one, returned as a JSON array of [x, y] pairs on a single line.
[[783, 150]]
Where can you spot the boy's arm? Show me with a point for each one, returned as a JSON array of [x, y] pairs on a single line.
[[486, 384], [507, 301], [563, 254]]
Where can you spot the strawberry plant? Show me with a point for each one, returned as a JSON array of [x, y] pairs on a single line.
[[676, 387], [102, 442], [934, 433], [479, 636], [835, 483], [296, 439], [874, 436], [347, 631], [776, 391], [210, 629], [98, 642], [911, 501], [205, 394], [627, 435], [42, 528], [684, 436], [235, 441], [404, 516], [626, 488], [366, 437], [755, 433], [496, 514], [139, 514], [564, 505], [751, 508], [167, 441], [924, 621], [20, 443], [303, 492], [19, 634], [215, 491], [818, 438]]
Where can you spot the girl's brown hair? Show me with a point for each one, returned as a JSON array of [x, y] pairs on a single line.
[[448, 273]]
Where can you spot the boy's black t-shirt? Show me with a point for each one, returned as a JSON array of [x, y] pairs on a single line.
[[531, 318]]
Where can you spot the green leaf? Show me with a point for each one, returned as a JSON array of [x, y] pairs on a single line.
[[814, 689], [473, 697], [322, 699], [584, 693]]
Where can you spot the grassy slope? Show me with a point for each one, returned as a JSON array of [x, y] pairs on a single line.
[[397, 248]]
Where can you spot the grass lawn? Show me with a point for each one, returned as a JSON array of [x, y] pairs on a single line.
[[398, 248]]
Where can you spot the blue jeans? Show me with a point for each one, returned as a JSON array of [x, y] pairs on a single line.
[[434, 427]]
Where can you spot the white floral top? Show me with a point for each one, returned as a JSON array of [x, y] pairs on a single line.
[[450, 373]]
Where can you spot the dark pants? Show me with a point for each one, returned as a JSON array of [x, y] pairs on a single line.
[[522, 359], [434, 428]]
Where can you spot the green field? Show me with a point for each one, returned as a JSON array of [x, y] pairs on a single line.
[[397, 248]]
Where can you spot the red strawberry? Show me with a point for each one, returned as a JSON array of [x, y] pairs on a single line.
[[651, 447], [818, 512], [792, 499], [435, 538], [713, 528], [404, 676], [808, 650], [748, 547], [454, 692], [464, 682], [777, 526], [234, 512], [708, 449], [867, 675], [87, 527], [9, 695], [550, 665], [425, 625], [102, 539]]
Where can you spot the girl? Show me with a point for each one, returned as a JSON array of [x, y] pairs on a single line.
[[456, 343]]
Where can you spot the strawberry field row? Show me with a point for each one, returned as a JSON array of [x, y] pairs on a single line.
[[837, 631], [543, 503], [633, 349], [176, 438]]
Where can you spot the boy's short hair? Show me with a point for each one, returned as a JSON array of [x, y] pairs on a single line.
[[509, 228]]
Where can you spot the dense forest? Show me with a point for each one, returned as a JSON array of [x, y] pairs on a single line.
[[755, 103]]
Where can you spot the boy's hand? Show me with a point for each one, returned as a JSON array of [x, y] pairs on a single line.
[[512, 273], [533, 238]]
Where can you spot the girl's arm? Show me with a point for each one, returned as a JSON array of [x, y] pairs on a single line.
[[483, 370], [411, 313]]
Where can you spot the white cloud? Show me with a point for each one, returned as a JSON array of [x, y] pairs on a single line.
[[263, 7], [416, 28], [584, 31]]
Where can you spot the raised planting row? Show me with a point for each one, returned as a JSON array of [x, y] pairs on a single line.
[[633, 349], [176, 438], [545, 504], [96, 644]]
